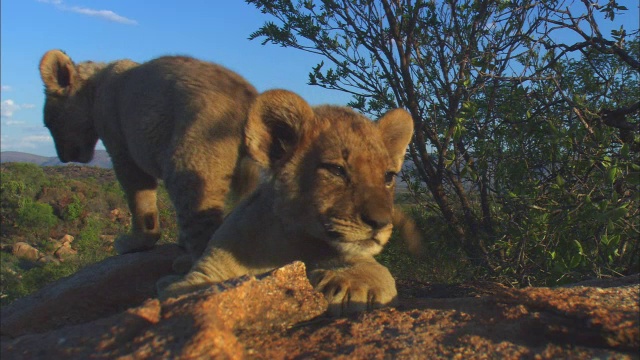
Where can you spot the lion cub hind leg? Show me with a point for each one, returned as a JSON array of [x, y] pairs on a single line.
[[199, 185], [140, 189], [199, 210], [355, 287]]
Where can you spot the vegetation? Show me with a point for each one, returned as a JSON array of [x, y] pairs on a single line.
[[526, 114], [38, 206]]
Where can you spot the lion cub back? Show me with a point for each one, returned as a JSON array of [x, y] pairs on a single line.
[[174, 118], [173, 104]]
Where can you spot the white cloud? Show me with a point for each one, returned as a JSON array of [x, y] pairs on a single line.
[[37, 138], [9, 107], [6, 88], [103, 14], [14, 122], [25, 143]]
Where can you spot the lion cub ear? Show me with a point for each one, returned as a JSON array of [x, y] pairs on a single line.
[[396, 127], [57, 72], [275, 127]]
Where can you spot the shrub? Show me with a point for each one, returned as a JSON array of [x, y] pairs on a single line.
[[11, 193], [36, 216], [11, 286], [31, 175], [441, 260], [74, 210], [88, 242]]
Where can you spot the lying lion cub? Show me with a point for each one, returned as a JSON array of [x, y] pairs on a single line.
[[173, 118], [329, 202]]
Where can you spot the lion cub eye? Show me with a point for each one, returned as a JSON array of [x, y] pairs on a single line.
[[335, 170], [389, 176]]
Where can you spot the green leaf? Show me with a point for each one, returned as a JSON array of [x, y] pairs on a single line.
[[579, 246], [574, 261], [624, 150], [447, 163], [611, 174], [617, 213]]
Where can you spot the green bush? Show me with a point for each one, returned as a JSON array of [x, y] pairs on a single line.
[[13, 188], [11, 194], [11, 285], [36, 216], [31, 176], [88, 242], [74, 210]]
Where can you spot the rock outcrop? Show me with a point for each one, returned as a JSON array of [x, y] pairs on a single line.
[[60, 250], [22, 250], [108, 310]]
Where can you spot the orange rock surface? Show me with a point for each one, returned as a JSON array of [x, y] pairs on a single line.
[[108, 310]]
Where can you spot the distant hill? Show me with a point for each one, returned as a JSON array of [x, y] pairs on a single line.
[[100, 159]]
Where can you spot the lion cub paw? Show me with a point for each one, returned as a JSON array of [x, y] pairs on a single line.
[[355, 289], [128, 243]]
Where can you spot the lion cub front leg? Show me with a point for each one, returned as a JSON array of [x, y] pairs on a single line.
[[214, 266], [354, 286], [176, 285], [140, 189]]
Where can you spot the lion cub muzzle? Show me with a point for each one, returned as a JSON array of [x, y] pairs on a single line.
[[360, 223]]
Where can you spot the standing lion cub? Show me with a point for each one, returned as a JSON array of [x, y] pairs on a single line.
[[173, 118], [328, 202]]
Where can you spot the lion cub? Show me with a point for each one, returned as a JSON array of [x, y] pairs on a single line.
[[173, 118], [328, 202]]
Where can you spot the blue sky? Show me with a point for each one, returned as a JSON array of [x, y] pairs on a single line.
[[107, 30]]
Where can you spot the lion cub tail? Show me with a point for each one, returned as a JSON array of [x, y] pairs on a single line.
[[408, 232]]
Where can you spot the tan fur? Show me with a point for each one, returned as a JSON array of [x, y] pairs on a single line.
[[408, 232], [173, 118], [328, 202]]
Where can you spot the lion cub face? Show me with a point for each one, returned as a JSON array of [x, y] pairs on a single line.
[[67, 107], [334, 170]]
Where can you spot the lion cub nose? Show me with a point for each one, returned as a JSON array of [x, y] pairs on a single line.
[[377, 218]]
